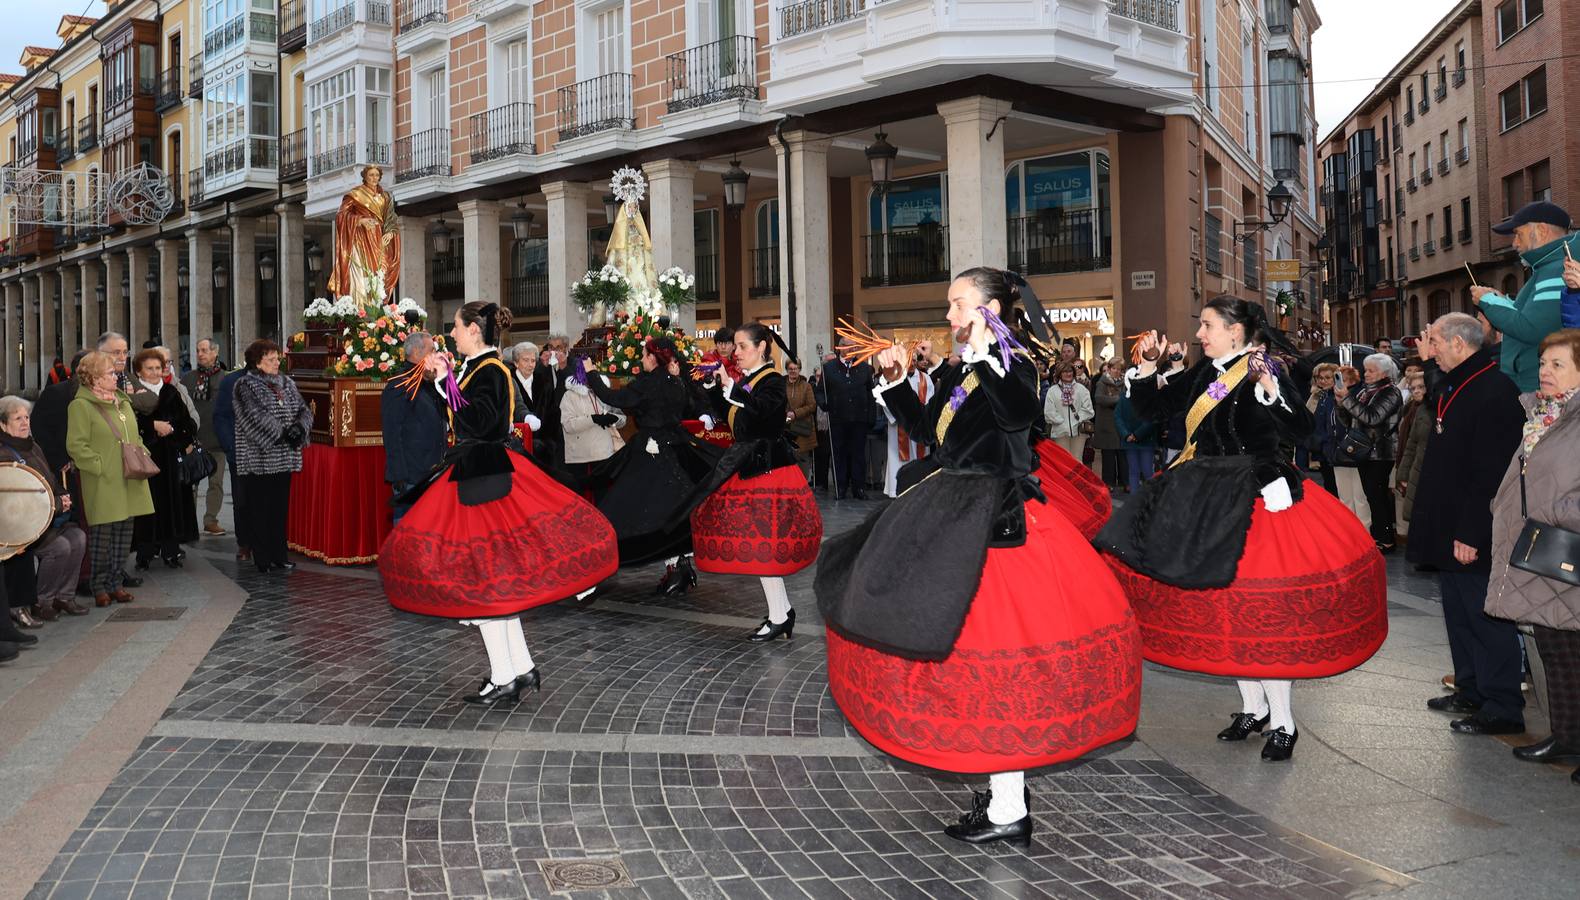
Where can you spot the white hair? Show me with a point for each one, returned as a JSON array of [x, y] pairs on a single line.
[[1460, 325], [1385, 362], [10, 404], [526, 347]]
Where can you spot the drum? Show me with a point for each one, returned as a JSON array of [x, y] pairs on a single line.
[[27, 506]]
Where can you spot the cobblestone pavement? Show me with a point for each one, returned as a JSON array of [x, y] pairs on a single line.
[[318, 750]]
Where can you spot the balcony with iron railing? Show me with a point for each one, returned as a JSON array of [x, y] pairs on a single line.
[[1423, 105], [264, 28], [197, 194], [333, 22], [225, 36], [195, 76], [67, 145], [503, 131], [1430, 248], [1398, 201], [1409, 115], [422, 155], [1412, 186], [1158, 13], [527, 293], [1464, 235], [293, 156], [1440, 92], [915, 255], [333, 159], [713, 73], [252, 152], [707, 286], [1443, 165], [87, 134], [810, 15], [168, 95], [376, 153], [293, 25], [177, 194], [1055, 241], [1212, 240], [449, 272], [1415, 253], [1399, 272], [597, 104], [1462, 156], [1398, 138], [764, 262], [1459, 77], [413, 14], [1426, 175]]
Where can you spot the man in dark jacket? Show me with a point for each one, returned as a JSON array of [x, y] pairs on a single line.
[[225, 432], [1478, 425], [851, 408], [202, 383], [414, 425]]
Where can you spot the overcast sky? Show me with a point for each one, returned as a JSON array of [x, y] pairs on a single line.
[[1360, 40]]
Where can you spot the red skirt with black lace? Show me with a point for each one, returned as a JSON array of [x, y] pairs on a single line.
[[538, 544], [1073, 488], [1309, 600], [766, 525], [1047, 666]]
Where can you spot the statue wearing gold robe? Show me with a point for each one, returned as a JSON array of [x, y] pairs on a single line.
[[367, 243]]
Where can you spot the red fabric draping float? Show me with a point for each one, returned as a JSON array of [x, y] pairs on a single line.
[[340, 505], [525, 433]]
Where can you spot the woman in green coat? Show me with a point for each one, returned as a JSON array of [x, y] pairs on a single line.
[[97, 422]]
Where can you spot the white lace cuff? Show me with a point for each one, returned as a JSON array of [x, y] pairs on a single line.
[[970, 355], [1276, 495]]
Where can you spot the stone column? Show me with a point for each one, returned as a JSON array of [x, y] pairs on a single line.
[[977, 207], [200, 289], [480, 268], [414, 267], [73, 311], [48, 319], [672, 187], [114, 296], [9, 364], [243, 284], [806, 168], [88, 278], [567, 202], [138, 328], [291, 268], [30, 326], [169, 329]]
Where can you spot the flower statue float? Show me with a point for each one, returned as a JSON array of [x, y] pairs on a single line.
[[373, 341], [624, 357]]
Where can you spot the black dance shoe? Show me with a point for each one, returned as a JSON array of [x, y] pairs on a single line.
[[491, 694], [1242, 725], [1548, 751], [976, 828], [533, 679], [768, 630], [678, 578], [1280, 745], [981, 799]]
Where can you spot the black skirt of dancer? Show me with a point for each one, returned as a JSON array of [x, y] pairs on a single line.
[[491, 534]]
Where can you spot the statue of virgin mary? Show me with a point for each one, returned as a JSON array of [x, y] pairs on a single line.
[[367, 243]]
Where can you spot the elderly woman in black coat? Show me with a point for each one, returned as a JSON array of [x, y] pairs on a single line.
[[1368, 418], [272, 422], [168, 431]]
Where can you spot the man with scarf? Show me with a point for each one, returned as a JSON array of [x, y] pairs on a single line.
[[202, 384]]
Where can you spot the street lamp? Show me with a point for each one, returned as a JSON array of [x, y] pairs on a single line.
[[98, 292], [521, 222], [266, 268], [151, 282], [441, 238], [221, 277], [183, 277], [1279, 199], [735, 186], [880, 157]]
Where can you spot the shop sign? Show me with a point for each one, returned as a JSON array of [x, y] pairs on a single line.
[[1076, 315], [1144, 281], [1282, 270]]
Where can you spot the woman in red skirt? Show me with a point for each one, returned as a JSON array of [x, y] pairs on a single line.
[[490, 534], [970, 627], [1233, 568], [755, 515], [1073, 488]]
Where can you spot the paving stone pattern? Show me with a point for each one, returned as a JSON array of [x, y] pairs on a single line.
[[205, 818]]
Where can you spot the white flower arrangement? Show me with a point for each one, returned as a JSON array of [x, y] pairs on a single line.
[[676, 287], [606, 287], [323, 311], [407, 305]]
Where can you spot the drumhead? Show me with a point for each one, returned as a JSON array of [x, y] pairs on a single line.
[[27, 506]]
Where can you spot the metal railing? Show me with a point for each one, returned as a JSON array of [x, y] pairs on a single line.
[[253, 152], [707, 286], [1462, 156], [713, 73], [334, 21], [503, 131], [226, 35], [1212, 243], [195, 76], [377, 153], [1464, 235], [1398, 201], [1399, 270], [412, 14], [423, 154], [527, 293], [1054, 240], [68, 144], [1430, 248], [810, 15], [765, 271], [264, 27], [87, 134], [1440, 92], [293, 25], [378, 12], [1409, 115], [334, 159], [1459, 77], [1426, 176], [449, 271], [1411, 186], [1443, 165], [168, 94], [1415, 253], [196, 195], [1160, 13], [597, 104], [1423, 105], [916, 255], [293, 156], [178, 202], [1398, 138]]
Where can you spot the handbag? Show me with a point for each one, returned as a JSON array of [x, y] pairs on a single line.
[[1550, 551], [194, 465], [136, 464], [1356, 445]]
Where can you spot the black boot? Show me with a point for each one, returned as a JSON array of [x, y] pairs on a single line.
[[1280, 745], [1242, 725], [11, 634]]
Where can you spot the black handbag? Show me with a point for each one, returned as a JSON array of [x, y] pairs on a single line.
[[194, 465], [1546, 550], [1355, 445]]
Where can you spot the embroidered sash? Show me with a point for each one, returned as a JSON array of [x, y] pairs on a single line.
[[761, 374], [904, 439], [1215, 394], [947, 416]]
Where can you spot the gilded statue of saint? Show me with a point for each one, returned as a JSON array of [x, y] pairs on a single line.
[[367, 243]]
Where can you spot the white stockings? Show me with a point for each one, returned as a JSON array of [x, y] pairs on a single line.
[[507, 649], [1269, 698], [1009, 797], [778, 600]]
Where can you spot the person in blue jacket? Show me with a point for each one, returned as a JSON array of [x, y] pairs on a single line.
[[1542, 239], [225, 430], [1139, 436]]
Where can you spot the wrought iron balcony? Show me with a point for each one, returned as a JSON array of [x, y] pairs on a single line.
[[1398, 138], [1462, 156], [1212, 243], [293, 156], [1415, 253], [527, 292], [223, 37], [917, 255], [422, 155], [810, 15], [195, 76], [1464, 235], [1060, 240], [254, 152], [293, 25], [1459, 77], [67, 142], [1426, 176], [1409, 115], [332, 160], [713, 73], [1440, 92], [413, 14], [765, 271], [378, 153], [597, 104], [168, 95], [503, 131], [1443, 166], [334, 21], [264, 27], [196, 194], [707, 277], [87, 134], [1430, 248], [1423, 105], [1158, 13], [378, 12], [1411, 185]]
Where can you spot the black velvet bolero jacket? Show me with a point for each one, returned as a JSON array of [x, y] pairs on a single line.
[[656, 401], [484, 423], [991, 430]]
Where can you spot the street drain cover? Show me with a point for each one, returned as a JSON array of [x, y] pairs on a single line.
[[147, 613], [566, 875]]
